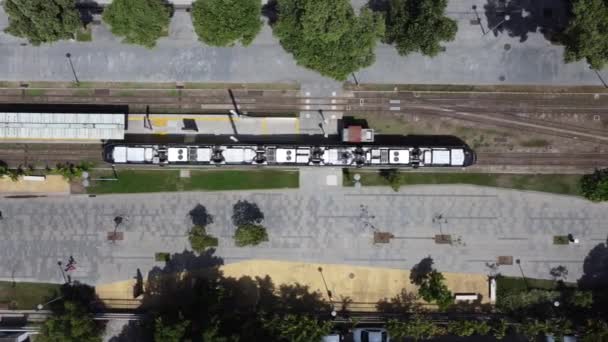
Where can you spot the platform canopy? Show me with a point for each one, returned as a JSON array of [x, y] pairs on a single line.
[[62, 126]]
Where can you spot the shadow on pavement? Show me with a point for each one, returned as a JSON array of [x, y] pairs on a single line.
[[192, 287], [521, 17], [595, 277]]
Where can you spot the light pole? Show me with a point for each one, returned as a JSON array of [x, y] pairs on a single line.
[[60, 264], [69, 57], [506, 18], [333, 308], [41, 306]]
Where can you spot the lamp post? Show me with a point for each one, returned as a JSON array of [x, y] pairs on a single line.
[[334, 313], [506, 18], [41, 306], [69, 57]]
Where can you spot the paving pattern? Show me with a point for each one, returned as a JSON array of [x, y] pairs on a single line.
[[334, 225]]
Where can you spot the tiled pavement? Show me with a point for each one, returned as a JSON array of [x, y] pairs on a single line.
[[331, 226]]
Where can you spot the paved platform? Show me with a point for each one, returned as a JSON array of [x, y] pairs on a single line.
[[333, 226], [212, 124]]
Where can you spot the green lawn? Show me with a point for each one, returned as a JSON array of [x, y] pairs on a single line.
[[26, 296], [560, 184], [132, 181]]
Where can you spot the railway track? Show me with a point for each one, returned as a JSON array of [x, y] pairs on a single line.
[[43, 155], [543, 159], [275, 102]]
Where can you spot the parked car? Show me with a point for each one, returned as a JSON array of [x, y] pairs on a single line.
[[333, 337], [371, 335]]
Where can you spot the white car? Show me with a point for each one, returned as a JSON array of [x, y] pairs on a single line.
[[371, 335], [331, 338]]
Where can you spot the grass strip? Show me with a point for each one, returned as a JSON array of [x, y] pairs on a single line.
[[26, 296], [138, 181], [552, 183]]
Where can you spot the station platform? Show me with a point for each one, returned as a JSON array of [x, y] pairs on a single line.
[[221, 124]]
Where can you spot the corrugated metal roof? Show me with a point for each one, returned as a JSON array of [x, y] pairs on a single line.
[[82, 126]]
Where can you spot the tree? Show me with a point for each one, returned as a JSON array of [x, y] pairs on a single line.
[[42, 21], [531, 329], [404, 302], [244, 213], [296, 328], [581, 299], [139, 21], [434, 289], [224, 22], [327, 36], [499, 329], [595, 331], [468, 328], [250, 235], [72, 324], [418, 26], [200, 240], [164, 332], [585, 36], [595, 186], [416, 328]]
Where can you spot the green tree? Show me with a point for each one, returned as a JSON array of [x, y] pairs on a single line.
[[595, 331], [164, 332], [499, 329], [296, 328], [595, 186], [586, 34], [250, 235], [72, 324], [224, 22], [433, 289], [42, 21], [327, 36], [531, 329], [468, 328], [139, 21], [416, 328], [200, 240], [418, 26]]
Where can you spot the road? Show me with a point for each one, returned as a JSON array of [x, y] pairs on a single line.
[[335, 227], [500, 57]]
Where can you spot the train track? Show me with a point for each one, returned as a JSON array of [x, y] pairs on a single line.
[[598, 160], [43, 155], [275, 102]]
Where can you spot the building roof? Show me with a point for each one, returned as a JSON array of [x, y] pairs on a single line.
[[59, 126]]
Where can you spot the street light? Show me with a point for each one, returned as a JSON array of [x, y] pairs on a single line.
[[41, 306], [69, 57], [506, 18]]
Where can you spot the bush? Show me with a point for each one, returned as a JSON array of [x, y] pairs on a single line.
[[595, 186], [468, 328], [72, 171], [586, 34], [250, 235], [139, 21], [42, 21], [200, 240], [222, 23], [327, 36]]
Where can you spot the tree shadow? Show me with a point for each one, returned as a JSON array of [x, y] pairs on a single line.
[[420, 271], [595, 277], [134, 331], [245, 212], [521, 17], [200, 216], [192, 287], [271, 11], [403, 303]]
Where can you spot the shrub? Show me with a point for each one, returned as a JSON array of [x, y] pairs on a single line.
[[200, 240], [595, 186], [250, 234]]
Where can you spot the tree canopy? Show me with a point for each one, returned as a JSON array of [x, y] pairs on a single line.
[[327, 36], [164, 332], [139, 21], [418, 26], [595, 185], [295, 328], [586, 34], [225, 22], [73, 324], [42, 21]]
